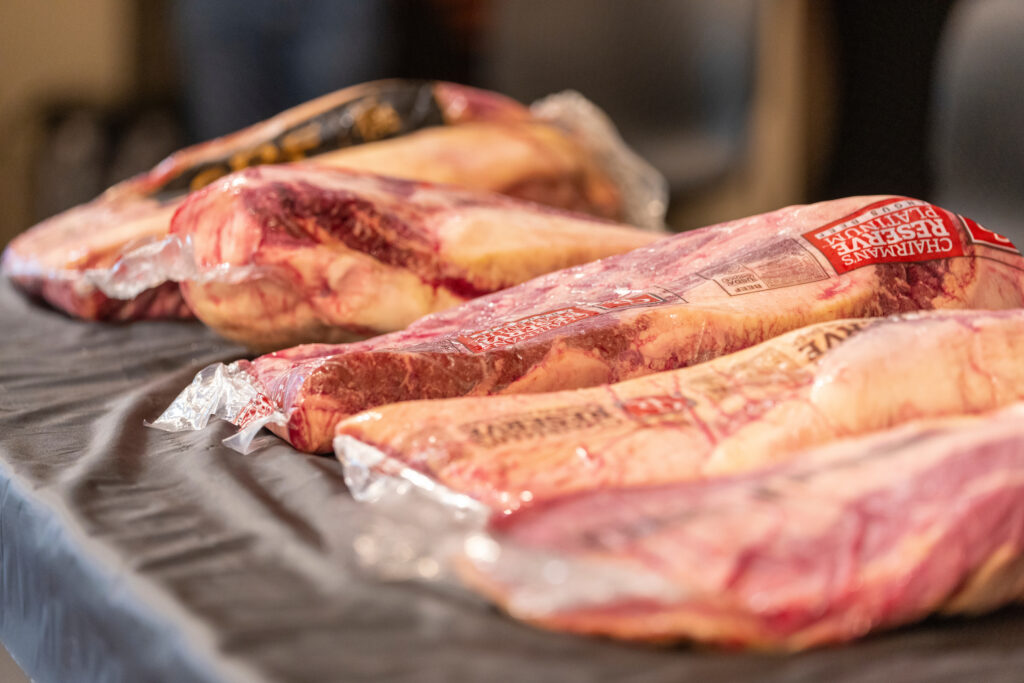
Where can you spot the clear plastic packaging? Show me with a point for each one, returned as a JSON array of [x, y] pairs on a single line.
[[110, 259], [225, 392], [417, 525], [680, 302], [858, 536], [644, 196], [169, 259], [739, 412], [644, 190], [788, 557]]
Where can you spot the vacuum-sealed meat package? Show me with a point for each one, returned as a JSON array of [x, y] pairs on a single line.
[[860, 535], [737, 413], [282, 255], [565, 154], [681, 301]]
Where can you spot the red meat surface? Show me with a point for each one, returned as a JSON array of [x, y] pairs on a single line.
[[681, 301], [736, 413], [422, 131], [861, 535], [310, 253]]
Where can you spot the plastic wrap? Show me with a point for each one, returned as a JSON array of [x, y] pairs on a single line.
[[858, 536], [417, 529], [733, 414], [776, 559], [644, 190], [417, 526], [684, 300], [128, 554], [739, 413], [91, 261], [229, 393], [170, 259], [730, 436], [342, 255]]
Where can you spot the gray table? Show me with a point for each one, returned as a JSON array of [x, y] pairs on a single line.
[[130, 554]]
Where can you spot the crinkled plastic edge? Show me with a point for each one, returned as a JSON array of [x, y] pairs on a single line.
[[418, 529], [416, 525], [168, 260], [144, 267], [644, 189], [137, 270], [227, 392]]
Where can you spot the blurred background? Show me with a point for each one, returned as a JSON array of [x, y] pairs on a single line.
[[744, 105]]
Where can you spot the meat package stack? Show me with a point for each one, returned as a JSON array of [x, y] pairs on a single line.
[[284, 255], [730, 435], [777, 432], [683, 300], [861, 534], [112, 259], [733, 414]]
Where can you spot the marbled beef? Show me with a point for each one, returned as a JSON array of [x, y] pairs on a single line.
[[680, 301], [861, 535]]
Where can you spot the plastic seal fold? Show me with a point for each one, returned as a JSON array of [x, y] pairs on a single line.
[[680, 302], [644, 190], [229, 393], [170, 259]]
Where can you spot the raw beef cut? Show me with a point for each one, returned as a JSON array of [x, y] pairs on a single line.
[[860, 535], [309, 253], [735, 413], [523, 159], [683, 300], [76, 259]]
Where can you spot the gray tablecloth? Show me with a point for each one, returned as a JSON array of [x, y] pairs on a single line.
[[131, 554]]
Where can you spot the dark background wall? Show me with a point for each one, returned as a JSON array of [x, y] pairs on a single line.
[[744, 105]]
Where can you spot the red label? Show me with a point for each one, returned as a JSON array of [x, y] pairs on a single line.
[[261, 406], [646, 406], [524, 328], [888, 231], [980, 235]]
